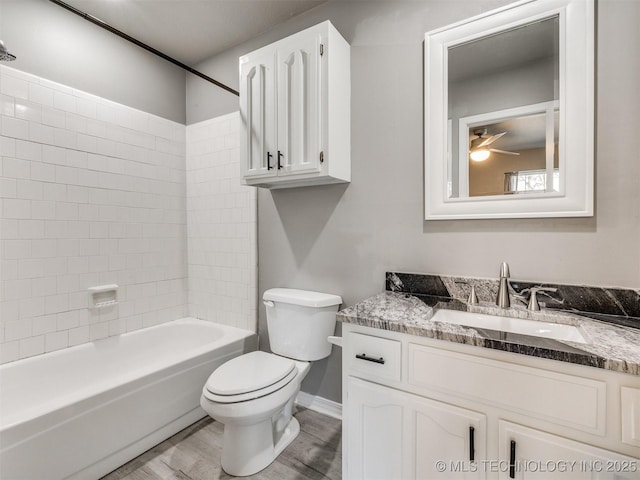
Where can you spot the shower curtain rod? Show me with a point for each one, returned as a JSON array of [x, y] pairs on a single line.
[[137, 42]]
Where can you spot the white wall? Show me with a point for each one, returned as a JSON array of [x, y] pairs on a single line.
[[58, 45], [342, 238], [92, 193], [221, 221]]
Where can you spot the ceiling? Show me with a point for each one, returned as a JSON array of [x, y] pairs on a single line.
[[193, 30]]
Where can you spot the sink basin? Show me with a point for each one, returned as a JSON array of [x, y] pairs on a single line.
[[557, 331]]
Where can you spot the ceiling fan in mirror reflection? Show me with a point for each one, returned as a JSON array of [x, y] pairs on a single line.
[[479, 149]]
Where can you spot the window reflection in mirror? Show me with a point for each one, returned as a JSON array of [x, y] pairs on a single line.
[[503, 113]]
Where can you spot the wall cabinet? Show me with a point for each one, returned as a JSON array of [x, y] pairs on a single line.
[[295, 111], [417, 408]]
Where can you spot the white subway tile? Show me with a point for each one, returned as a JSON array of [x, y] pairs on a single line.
[[76, 158], [40, 94], [18, 329], [43, 210], [15, 127], [54, 192], [7, 147], [7, 105], [67, 175], [44, 324], [99, 330], [86, 107], [44, 286], [31, 346], [31, 307], [8, 187], [16, 208], [87, 143], [56, 341], [75, 123], [79, 335], [16, 168], [9, 352], [56, 303], [29, 111], [67, 320], [64, 101], [65, 138], [8, 226], [41, 133], [14, 87], [29, 190], [53, 117]]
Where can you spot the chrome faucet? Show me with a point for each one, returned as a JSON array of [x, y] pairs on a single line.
[[503, 300]]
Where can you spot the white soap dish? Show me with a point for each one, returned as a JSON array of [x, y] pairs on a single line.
[[104, 295]]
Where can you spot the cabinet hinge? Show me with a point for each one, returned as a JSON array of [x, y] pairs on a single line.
[[321, 157], [321, 49]]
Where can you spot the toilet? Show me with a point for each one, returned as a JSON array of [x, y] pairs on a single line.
[[253, 394]]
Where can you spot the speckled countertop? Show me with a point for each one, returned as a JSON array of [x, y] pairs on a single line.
[[608, 346]]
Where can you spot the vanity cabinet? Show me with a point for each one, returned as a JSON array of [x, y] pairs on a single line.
[[418, 408], [394, 434], [295, 111]]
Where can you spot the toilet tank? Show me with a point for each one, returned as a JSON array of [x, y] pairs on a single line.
[[299, 322]]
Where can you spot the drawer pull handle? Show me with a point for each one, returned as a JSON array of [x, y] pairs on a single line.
[[512, 460], [363, 356], [472, 446]]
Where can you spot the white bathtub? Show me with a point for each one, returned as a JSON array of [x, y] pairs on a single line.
[[81, 412]]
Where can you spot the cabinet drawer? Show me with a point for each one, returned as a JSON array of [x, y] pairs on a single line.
[[630, 415], [568, 400], [373, 356]]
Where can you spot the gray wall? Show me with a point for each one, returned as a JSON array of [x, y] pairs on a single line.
[[55, 44], [341, 239]]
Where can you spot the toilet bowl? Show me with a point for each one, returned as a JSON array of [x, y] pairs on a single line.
[[253, 395]]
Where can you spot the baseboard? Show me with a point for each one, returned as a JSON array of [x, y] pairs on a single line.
[[320, 405]]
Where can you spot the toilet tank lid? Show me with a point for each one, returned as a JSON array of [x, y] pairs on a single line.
[[304, 298]]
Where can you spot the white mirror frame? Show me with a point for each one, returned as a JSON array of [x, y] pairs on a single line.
[[576, 133]]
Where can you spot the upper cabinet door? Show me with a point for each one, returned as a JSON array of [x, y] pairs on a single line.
[[295, 100], [299, 104], [258, 115]]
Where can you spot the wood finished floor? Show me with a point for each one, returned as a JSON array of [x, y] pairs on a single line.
[[194, 454]]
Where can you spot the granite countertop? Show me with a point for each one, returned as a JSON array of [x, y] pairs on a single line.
[[609, 347]]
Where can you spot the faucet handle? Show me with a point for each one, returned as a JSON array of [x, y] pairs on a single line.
[[473, 298], [533, 297]]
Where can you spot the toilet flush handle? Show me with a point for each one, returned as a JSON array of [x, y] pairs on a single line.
[[268, 303]]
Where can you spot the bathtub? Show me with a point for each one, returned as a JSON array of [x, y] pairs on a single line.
[[81, 412]]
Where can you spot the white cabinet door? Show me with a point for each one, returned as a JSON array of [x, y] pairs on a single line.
[[299, 105], [376, 438], [258, 148], [526, 453], [450, 442], [399, 436], [295, 100]]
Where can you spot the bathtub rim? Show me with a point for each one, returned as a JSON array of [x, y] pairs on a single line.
[[233, 334]]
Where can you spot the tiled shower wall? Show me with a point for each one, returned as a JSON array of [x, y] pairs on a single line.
[[221, 218], [92, 193]]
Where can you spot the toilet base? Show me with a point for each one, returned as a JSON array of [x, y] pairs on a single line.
[[249, 448]]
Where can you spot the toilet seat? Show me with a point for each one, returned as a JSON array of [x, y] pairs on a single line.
[[249, 376]]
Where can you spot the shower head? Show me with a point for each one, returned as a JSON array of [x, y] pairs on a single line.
[[5, 56]]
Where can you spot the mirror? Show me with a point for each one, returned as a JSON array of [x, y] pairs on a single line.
[[509, 113]]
